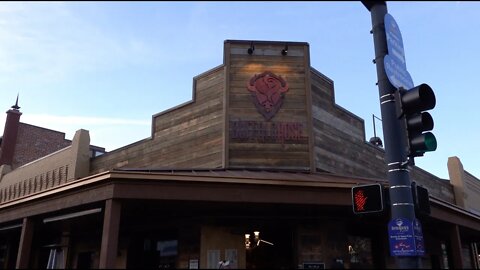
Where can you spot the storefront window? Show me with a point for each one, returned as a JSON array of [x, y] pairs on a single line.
[[56, 259], [168, 253], [444, 256]]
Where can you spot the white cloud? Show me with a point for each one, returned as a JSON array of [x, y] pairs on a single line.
[[49, 41], [110, 133], [46, 120]]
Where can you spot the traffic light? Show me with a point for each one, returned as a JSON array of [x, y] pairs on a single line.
[[420, 199], [411, 106], [367, 198]]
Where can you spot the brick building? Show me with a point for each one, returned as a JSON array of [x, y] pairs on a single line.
[[257, 170], [31, 142], [35, 142]]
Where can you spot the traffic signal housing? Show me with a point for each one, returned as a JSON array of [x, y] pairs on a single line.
[[367, 198], [421, 199], [411, 106]]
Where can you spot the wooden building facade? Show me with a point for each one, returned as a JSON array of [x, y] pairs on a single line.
[[255, 171]]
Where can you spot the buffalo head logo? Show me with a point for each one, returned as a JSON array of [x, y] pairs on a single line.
[[267, 91]]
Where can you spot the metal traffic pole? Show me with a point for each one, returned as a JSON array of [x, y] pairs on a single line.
[[401, 199]]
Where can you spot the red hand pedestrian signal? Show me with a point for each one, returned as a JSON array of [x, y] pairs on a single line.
[[360, 200], [367, 198]]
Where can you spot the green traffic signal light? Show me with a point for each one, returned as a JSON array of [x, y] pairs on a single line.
[[430, 142], [425, 142], [411, 106]]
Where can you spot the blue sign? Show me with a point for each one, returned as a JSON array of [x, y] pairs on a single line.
[[394, 61], [401, 236], [394, 39], [398, 76], [418, 234]]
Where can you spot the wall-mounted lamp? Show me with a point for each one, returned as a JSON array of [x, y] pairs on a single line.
[[247, 241], [257, 237], [285, 50], [257, 240], [251, 49]]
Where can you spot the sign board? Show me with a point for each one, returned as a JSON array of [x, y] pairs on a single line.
[[193, 264], [418, 235], [401, 236], [394, 61], [313, 265], [167, 248], [397, 76]]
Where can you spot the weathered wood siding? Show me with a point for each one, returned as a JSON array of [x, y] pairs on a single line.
[[339, 136], [341, 148], [204, 133], [188, 136], [254, 152], [437, 187]]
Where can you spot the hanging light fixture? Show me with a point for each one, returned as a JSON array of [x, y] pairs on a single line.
[[256, 241]]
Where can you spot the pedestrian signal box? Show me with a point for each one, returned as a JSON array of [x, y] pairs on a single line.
[[367, 198]]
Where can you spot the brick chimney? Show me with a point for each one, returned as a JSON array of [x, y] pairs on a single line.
[[9, 140]]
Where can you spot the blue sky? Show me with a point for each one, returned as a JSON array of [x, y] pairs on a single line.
[[109, 66]]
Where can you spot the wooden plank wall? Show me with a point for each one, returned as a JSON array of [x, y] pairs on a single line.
[[241, 67], [196, 135], [188, 136], [341, 146], [437, 187], [339, 136]]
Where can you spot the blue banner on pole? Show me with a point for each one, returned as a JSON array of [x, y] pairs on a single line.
[[419, 243], [401, 236]]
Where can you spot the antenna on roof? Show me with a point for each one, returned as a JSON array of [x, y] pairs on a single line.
[[15, 107]]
